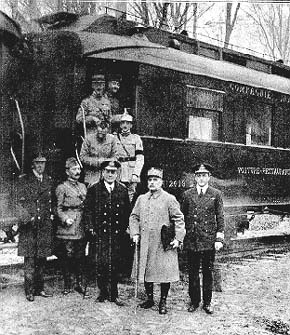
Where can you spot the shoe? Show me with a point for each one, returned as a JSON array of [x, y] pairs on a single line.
[[208, 309], [100, 298], [79, 289], [147, 304], [192, 308], [66, 291], [162, 307], [118, 302], [30, 297], [44, 294]]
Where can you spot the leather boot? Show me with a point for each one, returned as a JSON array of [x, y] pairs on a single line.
[[149, 291], [162, 306]]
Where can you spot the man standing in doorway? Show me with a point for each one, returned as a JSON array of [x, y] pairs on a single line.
[[157, 265], [106, 211], [34, 210], [202, 207]]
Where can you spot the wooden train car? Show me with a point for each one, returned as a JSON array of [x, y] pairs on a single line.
[[191, 102]]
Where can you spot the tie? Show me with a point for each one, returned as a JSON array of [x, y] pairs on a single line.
[[201, 193]]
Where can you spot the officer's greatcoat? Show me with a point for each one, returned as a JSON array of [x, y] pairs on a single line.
[[151, 212], [204, 218], [108, 215], [34, 210]]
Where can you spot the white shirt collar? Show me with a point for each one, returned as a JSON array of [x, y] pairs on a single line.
[[37, 175], [204, 188], [109, 187]]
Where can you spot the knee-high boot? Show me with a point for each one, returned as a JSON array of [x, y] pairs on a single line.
[[164, 293], [149, 291]]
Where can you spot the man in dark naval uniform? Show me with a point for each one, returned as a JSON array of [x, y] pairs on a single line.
[[34, 210], [71, 231], [202, 207], [107, 210]]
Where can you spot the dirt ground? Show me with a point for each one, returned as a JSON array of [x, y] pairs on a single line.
[[255, 300]]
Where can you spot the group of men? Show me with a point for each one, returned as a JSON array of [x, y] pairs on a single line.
[[99, 211]]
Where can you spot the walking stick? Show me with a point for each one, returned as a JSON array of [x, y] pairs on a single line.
[[136, 274]]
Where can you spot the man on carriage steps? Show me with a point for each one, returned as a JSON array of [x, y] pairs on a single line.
[[106, 212], [34, 211], [202, 207], [155, 212]]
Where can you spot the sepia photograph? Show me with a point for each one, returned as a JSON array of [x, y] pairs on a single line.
[[144, 167]]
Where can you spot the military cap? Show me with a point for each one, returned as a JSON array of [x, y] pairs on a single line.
[[202, 168], [155, 172], [126, 116], [98, 78], [71, 162], [114, 77], [110, 164], [38, 158]]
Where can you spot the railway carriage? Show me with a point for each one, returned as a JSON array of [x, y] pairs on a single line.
[[191, 102]]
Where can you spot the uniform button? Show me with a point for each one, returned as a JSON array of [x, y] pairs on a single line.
[[143, 229], [105, 213], [38, 217], [117, 214], [195, 222], [117, 221], [205, 221], [116, 231], [118, 205], [104, 221], [38, 209], [105, 230], [49, 201], [194, 216]]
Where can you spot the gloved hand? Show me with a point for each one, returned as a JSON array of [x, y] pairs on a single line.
[[218, 246], [136, 239], [174, 243]]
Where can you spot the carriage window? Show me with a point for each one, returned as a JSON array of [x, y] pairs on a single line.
[[258, 129], [204, 107]]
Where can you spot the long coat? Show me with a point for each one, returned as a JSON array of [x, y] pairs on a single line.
[[34, 210], [150, 213], [108, 215], [204, 218]]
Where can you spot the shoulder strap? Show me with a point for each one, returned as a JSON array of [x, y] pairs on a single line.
[[119, 137]]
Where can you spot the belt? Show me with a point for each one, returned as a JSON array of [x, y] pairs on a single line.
[[127, 159]]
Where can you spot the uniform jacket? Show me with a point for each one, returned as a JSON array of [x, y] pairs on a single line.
[[150, 213], [70, 198], [108, 215], [204, 217], [34, 210], [94, 152], [130, 154], [94, 107]]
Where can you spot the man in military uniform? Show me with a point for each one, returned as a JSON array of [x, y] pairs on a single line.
[[202, 207], [71, 231], [97, 148], [95, 108], [130, 154], [34, 210], [151, 211], [107, 210], [112, 94]]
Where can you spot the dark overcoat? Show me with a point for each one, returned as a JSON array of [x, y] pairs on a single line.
[[108, 215], [204, 218], [34, 210]]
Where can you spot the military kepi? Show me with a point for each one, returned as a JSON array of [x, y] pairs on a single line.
[[110, 164], [155, 172], [98, 78], [126, 116], [71, 162], [202, 168]]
